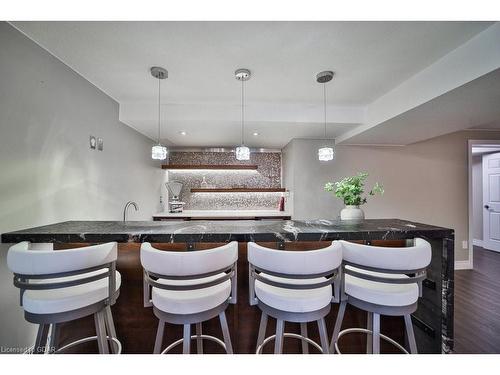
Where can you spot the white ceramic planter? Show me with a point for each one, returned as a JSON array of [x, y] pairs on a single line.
[[352, 213]]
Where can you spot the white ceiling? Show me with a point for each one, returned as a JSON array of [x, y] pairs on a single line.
[[473, 105], [201, 95]]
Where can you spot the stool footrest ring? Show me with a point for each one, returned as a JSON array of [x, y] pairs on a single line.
[[114, 340], [207, 337], [369, 332], [292, 335]]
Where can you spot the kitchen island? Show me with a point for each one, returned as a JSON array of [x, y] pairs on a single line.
[[136, 325]]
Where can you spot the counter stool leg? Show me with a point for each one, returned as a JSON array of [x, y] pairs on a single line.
[[278, 341], [41, 339], [411, 335], [323, 335], [199, 340], [338, 325], [262, 329], [159, 337], [100, 328], [54, 331], [110, 328], [376, 334], [369, 326], [303, 333], [225, 333], [186, 341]]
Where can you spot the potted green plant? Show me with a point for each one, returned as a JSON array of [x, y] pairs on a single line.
[[350, 190]]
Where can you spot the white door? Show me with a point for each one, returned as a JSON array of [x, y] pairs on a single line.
[[491, 201]]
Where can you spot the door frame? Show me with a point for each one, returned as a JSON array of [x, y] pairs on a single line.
[[471, 143]]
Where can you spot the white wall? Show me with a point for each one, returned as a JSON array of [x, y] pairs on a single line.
[[47, 171], [477, 197], [424, 182]]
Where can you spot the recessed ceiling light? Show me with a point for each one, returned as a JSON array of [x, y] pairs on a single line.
[[182, 133], [256, 134]]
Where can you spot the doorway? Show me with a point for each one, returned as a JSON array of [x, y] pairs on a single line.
[[484, 196]]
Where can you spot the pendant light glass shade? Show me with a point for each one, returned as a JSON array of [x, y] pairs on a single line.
[[158, 151], [242, 153], [325, 153]]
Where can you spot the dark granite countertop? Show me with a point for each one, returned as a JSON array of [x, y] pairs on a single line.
[[224, 231]]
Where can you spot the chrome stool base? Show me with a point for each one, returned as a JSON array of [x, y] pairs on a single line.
[[207, 337], [292, 335], [369, 332]]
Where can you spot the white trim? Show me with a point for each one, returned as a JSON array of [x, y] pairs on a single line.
[[463, 265], [470, 144], [477, 243]]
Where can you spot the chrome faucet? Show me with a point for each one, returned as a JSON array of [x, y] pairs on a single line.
[[129, 203]]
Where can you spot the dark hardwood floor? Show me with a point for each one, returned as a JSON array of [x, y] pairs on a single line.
[[477, 305]]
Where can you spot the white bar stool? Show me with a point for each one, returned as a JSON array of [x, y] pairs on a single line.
[[293, 286], [190, 288], [382, 281], [64, 285]]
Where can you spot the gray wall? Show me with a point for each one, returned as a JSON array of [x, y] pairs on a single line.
[[424, 182], [477, 197], [47, 171]]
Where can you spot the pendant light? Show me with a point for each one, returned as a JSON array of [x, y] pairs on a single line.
[[158, 151], [242, 151], [325, 153]]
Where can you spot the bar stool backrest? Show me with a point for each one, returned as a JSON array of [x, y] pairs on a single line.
[[50, 267], [398, 259], [22, 259], [301, 262], [189, 265], [405, 265], [320, 266]]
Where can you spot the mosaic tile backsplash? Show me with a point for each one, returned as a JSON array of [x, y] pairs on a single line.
[[267, 175]]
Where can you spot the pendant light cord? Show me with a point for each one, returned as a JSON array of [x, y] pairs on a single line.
[[242, 112], [159, 108], [324, 104]]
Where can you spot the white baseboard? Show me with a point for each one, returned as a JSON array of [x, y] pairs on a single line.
[[477, 243], [463, 265]]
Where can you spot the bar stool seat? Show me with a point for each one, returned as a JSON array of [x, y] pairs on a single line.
[[67, 299], [380, 293], [293, 300], [191, 301]]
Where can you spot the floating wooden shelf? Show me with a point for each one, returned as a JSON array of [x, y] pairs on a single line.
[[211, 166], [239, 190]]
